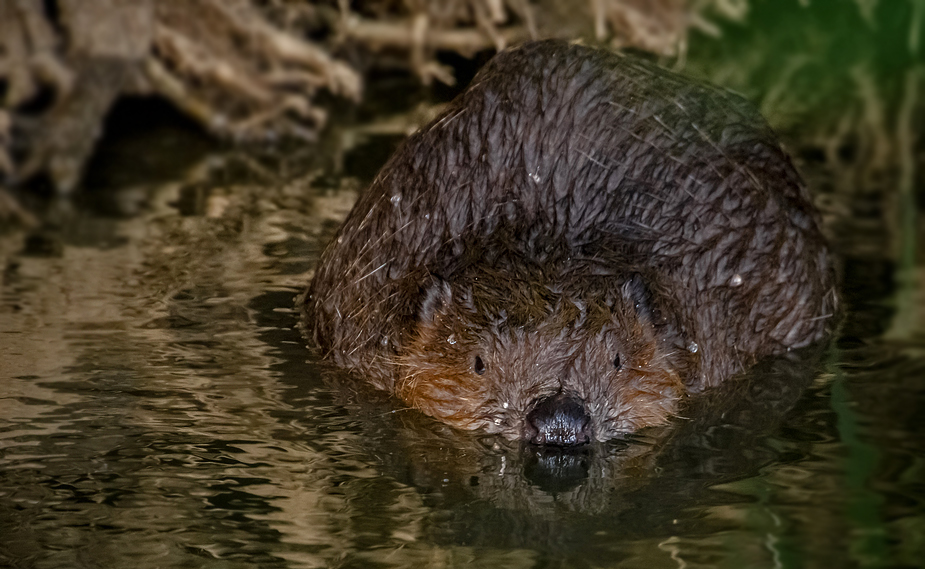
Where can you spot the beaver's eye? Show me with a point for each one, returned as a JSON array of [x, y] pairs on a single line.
[[617, 363], [479, 365]]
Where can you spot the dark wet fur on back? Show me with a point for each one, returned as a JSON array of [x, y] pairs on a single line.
[[574, 207]]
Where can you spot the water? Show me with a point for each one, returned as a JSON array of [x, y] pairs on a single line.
[[160, 409]]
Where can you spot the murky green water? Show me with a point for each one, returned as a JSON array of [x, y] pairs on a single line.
[[159, 408]]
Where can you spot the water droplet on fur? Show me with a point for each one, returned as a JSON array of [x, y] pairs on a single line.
[[396, 199], [736, 280], [535, 177], [497, 421], [452, 339], [693, 347], [505, 404], [426, 216]]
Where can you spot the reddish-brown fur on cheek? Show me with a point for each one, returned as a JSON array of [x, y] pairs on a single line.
[[437, 382], [648, 388], [650, 395]]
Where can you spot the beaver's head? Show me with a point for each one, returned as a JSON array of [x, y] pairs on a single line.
[[556, 360]]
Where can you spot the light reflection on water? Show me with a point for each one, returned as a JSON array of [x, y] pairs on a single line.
[[160, 410]]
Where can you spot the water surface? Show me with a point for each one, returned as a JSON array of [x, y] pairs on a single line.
[[160, 409]]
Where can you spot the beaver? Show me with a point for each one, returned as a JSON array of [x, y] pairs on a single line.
[[578, 242]]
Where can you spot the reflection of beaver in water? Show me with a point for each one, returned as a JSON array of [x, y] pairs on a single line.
[[581, 239]]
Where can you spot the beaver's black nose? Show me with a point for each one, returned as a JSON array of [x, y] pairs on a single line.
[[558, 420]]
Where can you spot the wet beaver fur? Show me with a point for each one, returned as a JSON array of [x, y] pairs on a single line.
[[579, 241]]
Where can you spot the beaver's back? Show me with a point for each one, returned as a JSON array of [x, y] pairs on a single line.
[[558, 146]]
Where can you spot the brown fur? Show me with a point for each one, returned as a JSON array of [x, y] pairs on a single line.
[[574, 206], [536, 339]]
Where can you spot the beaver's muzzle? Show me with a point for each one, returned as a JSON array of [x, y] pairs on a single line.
[[558, 420]]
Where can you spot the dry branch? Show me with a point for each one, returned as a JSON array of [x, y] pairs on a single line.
[[219, 61], [244, 69]]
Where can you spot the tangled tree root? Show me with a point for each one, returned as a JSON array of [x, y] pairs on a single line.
[[219, 61], [244, 69], [228, 54]]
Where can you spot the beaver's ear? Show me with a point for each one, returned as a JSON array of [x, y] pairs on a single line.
[[436, 297], [636, 290]]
